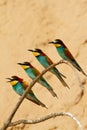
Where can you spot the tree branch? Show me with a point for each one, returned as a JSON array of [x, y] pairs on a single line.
[[6, 124], [52, 115]]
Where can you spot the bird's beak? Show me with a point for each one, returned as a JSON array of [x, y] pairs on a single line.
[[9, 79], [31, 50], [50, 42], [20, 63]]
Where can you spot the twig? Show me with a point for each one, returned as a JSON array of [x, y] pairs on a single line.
[[6, 124], [52, 115]]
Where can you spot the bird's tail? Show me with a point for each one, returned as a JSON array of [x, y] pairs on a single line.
[[38, 102], [63, 82], [43, 82], [53, 93], [77, 66], [42, 104], [35, 100], [62, 75], [56, 72], [84, 73]]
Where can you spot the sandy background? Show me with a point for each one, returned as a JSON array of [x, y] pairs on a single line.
[[27, 24]]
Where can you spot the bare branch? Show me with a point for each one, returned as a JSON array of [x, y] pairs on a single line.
[[52, 115], [6, 124]]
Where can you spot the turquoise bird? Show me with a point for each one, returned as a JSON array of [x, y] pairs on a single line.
[[32, 72], [66, 54], [19, 86], [45, 61]]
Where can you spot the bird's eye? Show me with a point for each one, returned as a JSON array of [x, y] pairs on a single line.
[[55, 41]]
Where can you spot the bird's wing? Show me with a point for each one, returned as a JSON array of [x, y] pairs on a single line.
[[49, 60], [25, 84], [68, 54], [36, 72], [31, 96]]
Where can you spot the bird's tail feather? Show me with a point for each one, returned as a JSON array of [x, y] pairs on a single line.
[[63, 82], [36, 101], [53, 93], [63, 75], [42, 104], [43, 82], [84, 73], [57, 73], [76, 65]]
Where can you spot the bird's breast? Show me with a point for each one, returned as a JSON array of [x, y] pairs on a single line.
[[43, 61], [30, 73], [61, 52], [19, 89]]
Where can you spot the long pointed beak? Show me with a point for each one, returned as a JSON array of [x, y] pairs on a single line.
[[31, 50], [20, 63], [50, 42], [9, 79]]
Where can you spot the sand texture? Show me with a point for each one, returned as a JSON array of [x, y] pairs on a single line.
[[29, 24]]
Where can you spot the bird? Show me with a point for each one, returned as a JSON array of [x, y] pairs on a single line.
[[19, 86], [32, 72], [45, 61], [66, 54]]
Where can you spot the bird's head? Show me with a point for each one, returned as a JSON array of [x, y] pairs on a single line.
[[14, 80], [25, 65], [37, 52], [57, 43]]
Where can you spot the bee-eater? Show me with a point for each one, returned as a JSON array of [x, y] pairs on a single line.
[[19, 86], [32, 72], [45, 61], [66, 54]]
